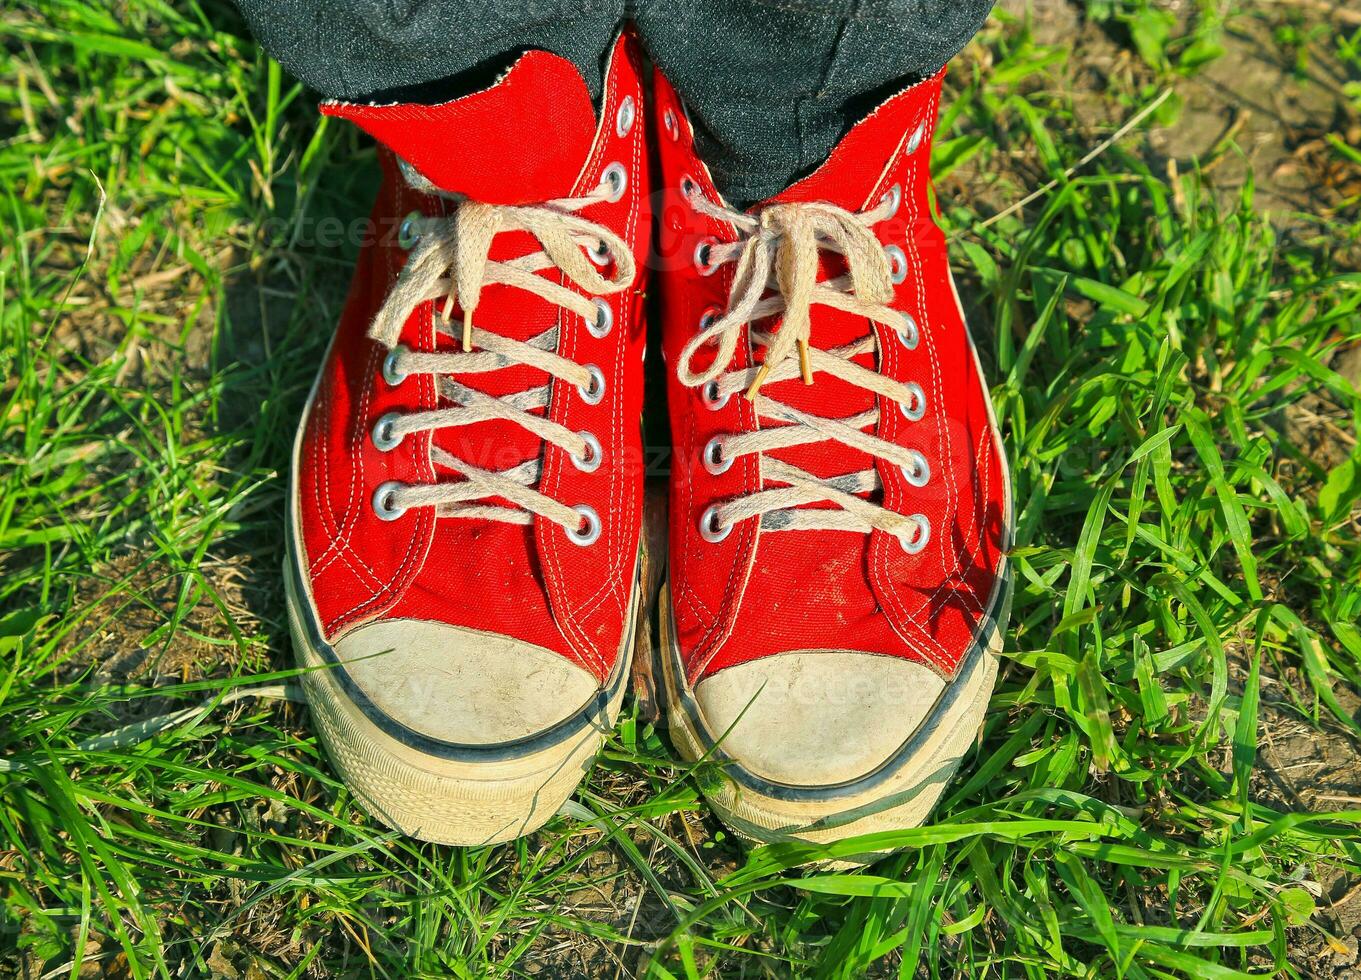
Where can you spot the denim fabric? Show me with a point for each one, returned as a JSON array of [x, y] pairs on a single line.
[[771, 85], [426, 50]]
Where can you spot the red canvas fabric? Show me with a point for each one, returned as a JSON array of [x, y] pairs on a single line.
[[761, 592], [518, 142], [532, 137]]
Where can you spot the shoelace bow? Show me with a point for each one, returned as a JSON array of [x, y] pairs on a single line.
[[451, 259], [777, 273]]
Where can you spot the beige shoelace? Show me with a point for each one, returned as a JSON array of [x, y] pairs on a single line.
[[777, 273], [450, 258]]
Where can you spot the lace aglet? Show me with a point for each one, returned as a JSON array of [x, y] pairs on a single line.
[[467, 330], [756, 384], [805, 364]]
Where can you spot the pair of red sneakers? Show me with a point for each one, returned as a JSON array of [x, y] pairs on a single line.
[[467, 495]]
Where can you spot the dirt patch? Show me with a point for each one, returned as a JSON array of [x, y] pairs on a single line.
[[1265, 108], [1306, 767], [1277, 106]]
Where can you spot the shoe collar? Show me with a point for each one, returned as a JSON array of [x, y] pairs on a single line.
[[526, 138]]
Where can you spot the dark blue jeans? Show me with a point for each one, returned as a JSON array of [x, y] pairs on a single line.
[[771, 85]]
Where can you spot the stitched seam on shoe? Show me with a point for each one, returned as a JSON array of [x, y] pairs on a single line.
[[610, 587], [914, 255], [737, 579], [556, 579], [321, 488], [935, 652], [928, 324], [970, 600], [353, 502], [982, 456], [423, 517], [617, 476], [340, 546], [747, 542], [356, 611], [687, 594], [952, 571], [572, 630], [317, 455]]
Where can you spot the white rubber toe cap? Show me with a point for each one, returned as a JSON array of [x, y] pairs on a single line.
[[461, 685], [817, 717]]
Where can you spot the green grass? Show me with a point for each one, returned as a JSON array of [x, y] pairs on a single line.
[[1187, 480]]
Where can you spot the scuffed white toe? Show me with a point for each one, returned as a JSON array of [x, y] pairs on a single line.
[[816, 717], [462, 685]]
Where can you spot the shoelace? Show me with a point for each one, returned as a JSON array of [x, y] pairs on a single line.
[[450, 258], [777, 273]]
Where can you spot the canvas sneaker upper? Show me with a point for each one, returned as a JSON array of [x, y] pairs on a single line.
[[470, 457], [839, 484]]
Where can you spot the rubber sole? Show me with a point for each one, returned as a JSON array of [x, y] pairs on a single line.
[[467, 795], [899, 794]]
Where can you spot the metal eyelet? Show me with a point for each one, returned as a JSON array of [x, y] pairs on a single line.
[[623, 120], [688, 188], [590, 462], [600, 255], [894, 199], [596, 391], [604, 319], [917, 472], [914, 410], [914, 142], [385, 438], [385, 505], [703, 253], [670, 125], [897, 264], [709, 527], [909, 334], [711, 398], [392, 374], [407, 233], [922, 535], [589, 532], [618, 180], [714, 460]]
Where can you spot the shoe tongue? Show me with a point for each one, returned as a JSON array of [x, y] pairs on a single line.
[[522, 140]]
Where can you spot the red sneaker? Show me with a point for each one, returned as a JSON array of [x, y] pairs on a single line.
[[467, 483], [840, 508]]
